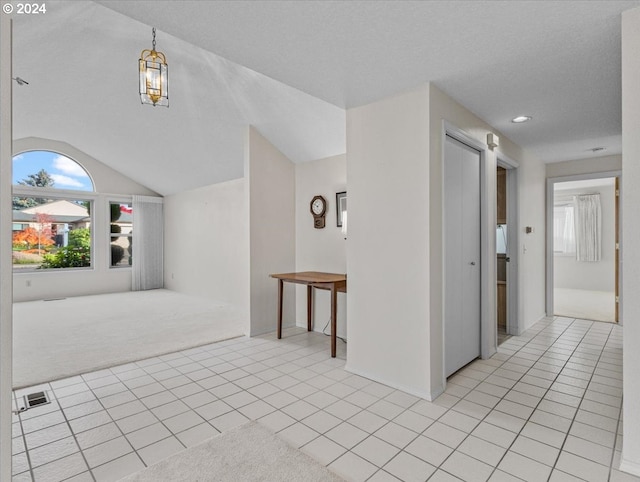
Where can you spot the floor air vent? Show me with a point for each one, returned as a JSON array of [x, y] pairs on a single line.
[[34, 399]]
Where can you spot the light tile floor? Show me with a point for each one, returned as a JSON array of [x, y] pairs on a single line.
[[545, 407]]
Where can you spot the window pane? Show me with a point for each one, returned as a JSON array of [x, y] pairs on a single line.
[[563, 230], [54, 234], [47, 169], [121, 228]]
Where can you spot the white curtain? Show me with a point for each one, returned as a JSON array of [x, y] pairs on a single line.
[[148, 236], [588, 227], [564, 240]]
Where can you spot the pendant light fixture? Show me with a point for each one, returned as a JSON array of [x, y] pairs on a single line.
[[154, 76]]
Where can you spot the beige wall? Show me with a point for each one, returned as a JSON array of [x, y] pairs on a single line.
[[271, 201], [206, 243], [320, 249], [631, 238]]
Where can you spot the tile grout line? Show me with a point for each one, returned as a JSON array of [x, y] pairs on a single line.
[[343, 421], [578, 407], [568, 327], [495, 467], [90, 469], [136, 398], [613, 449], [190, 409], [91, 390], [115, 422], [439, 467], [75, 439], [304, 356], [24, 440]]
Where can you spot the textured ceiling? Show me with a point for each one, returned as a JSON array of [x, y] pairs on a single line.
[[558, 61], [81, 62]]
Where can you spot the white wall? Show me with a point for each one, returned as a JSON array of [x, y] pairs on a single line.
[[6, 322], [271, 200], [105, 180], [394, 251], [584, 166], [631, 238], [598, 275], [532, 246], [531, 204], [388, 241], [320, 249], [206, 243], [109, 185]]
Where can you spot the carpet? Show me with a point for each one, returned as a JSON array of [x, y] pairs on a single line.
[[584, 304], [246, 453], [61, 338]]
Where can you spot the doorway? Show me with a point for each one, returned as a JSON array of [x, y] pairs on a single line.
[[502, 255], [583, 247], [462, 215], [507, 320]]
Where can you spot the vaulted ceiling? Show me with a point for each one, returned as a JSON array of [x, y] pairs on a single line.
[[291, 68]]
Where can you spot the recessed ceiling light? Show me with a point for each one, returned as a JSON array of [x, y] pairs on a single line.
[[521, 118], [597, 149]]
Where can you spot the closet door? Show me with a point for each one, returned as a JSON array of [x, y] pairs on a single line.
[[462, 254]]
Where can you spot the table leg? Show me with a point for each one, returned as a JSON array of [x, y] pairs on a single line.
[[280, 290], [309, 306], [334, 324]]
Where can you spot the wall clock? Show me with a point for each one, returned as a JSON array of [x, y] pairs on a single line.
[[318, 210]]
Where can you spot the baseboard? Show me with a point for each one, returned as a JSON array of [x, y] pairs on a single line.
[[629, 467], [411, 391]]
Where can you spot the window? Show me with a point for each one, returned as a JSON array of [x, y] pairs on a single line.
[[53, 234], [564, 237], [47, 169], [51, 228], [121, 232]]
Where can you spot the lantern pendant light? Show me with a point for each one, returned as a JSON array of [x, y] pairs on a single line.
[[154, 76]]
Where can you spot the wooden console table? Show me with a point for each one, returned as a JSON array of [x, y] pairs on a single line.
[[313, 279]]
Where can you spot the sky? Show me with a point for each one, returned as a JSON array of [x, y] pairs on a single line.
[[66, 173]]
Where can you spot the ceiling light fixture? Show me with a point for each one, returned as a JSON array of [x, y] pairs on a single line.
[[154, 76], [521, 118]]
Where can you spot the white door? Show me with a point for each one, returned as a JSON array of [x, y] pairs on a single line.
[[462, 255]]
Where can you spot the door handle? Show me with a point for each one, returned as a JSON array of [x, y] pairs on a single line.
[[473, 263], [507, 259]]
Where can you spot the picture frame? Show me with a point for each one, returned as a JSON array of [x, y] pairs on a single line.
[[341, 206]]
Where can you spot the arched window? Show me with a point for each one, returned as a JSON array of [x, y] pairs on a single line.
[[50, 229], [50, 169]]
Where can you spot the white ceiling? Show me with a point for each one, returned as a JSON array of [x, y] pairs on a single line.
[[291, 68]]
